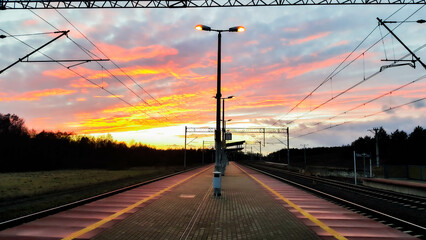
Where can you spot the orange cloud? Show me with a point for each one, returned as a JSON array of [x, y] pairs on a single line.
[[109, 96], [65, 73], [114, 124], [287, 42], [99, 74], [174, 109], [37, 95], [118, 53], [82, 83]]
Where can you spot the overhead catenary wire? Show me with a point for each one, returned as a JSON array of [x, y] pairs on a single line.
[[378, 97], [91, 54], [335, 72], [366, 116], [350, 88], [31, 34], [107, 57], [383, 43], [115, 64], [371, 100], [78, 74]]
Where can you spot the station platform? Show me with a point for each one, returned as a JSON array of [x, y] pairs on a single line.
[[252, 206], [190, 211], [412, 187]]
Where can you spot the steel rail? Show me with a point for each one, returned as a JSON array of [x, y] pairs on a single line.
[[402, 198]]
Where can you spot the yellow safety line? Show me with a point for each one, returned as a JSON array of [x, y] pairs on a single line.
[[117, 214], [315, 220]]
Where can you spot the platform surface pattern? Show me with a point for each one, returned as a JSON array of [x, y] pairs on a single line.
[[252, 206], [189, 211]]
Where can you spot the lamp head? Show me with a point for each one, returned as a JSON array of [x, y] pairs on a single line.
[[237, 29], [200, 27]]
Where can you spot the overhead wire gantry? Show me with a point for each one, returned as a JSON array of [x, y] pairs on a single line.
[[69, 4], [264, 131]]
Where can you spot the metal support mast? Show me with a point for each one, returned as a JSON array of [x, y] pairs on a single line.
[[402, 43], [62, 33]]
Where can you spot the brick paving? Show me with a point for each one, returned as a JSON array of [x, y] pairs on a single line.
[[189, 211]]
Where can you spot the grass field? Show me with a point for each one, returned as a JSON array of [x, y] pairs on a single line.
[[28, 184], [29, 192]]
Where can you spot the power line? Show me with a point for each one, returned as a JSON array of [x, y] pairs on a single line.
[[366, 116], [334, 73], [118, 67], [107, 57], [43, 19], [371, 100], [364, 79], [376, 98], [78, 74], [353, 86], [32, 34], [90, 54]]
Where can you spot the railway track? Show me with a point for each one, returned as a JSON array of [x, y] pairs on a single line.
[[400, 211], [33, 216]]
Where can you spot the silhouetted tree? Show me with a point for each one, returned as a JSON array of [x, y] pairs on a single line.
[[364, 144], [416, 143], [398, 147], [12, 125]]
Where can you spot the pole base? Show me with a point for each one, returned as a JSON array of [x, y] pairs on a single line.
[[217, 192]]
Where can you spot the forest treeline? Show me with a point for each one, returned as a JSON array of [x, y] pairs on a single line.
[[27, 150], [396, 148]]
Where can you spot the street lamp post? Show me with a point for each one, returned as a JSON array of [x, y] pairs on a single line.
[[218, 92]]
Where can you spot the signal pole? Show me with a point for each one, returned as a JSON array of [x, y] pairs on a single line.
[[376, 136]]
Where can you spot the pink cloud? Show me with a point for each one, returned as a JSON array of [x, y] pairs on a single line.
[[252, 42], [340, 43], [300, 69], [30, 22], [287, 42], [291, 29], [82, 83], [118, 53]]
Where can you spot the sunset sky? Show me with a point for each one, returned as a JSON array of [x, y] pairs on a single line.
[[166, 74]]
